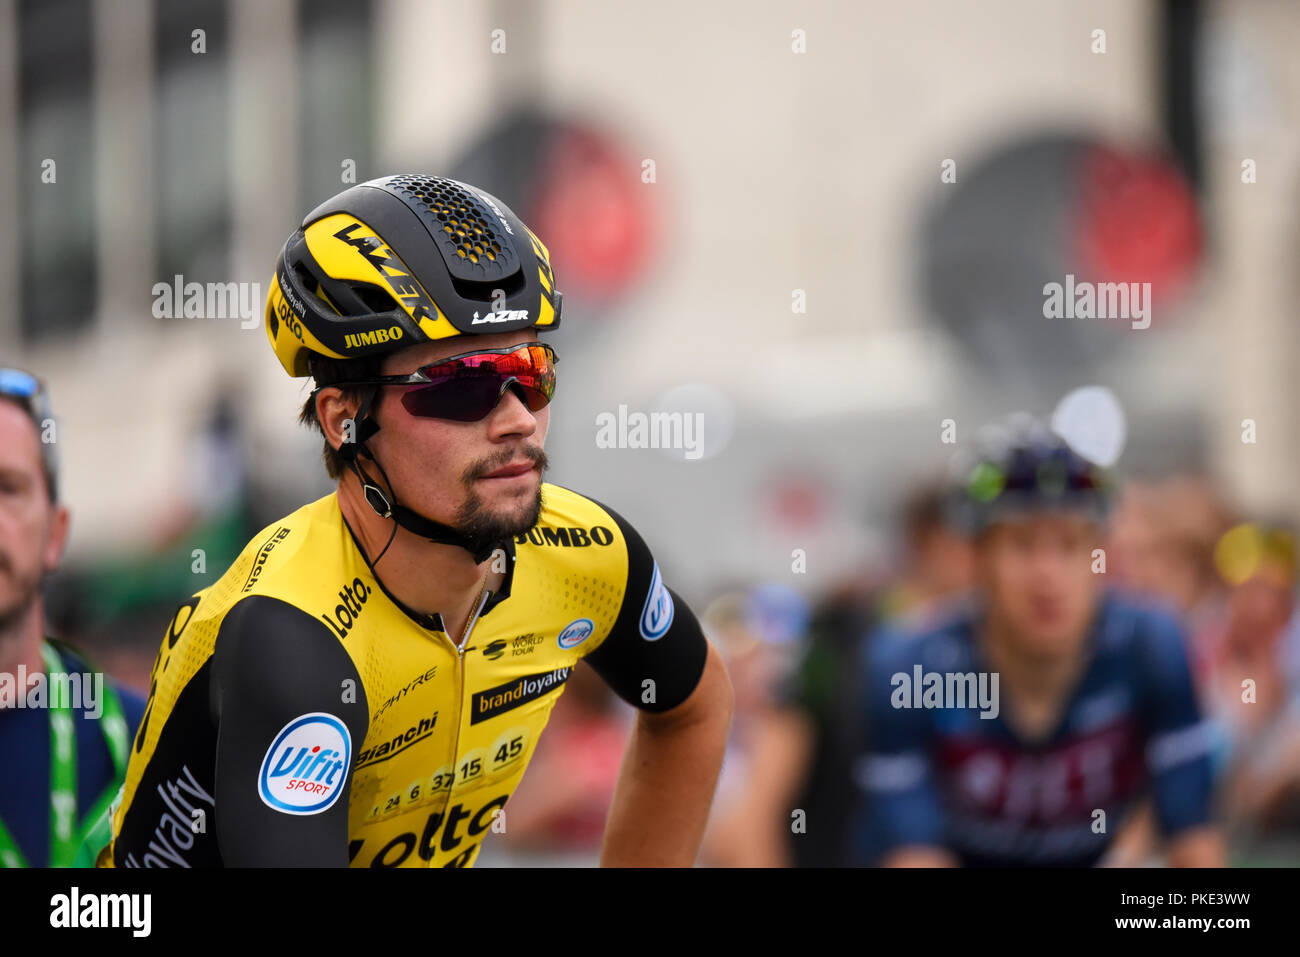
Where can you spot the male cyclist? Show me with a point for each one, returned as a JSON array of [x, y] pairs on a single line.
[[1031, 723], [366, 683], [64, 728]]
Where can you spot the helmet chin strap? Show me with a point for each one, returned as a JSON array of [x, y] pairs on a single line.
[[480, 547]]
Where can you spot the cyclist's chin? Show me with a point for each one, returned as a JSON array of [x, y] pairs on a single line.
[[1051, 635], [503, 512]]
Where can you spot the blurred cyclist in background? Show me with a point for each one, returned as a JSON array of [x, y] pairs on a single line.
[[64, 741], [1026, 727], [814, 707], [1161, 544]]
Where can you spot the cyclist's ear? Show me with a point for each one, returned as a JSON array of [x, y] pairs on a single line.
[[57, 540], [354, 443], [336, 413]]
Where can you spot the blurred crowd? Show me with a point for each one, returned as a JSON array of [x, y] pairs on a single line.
[[786, 795]]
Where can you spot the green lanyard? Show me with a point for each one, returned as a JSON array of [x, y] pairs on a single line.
[[65, 837]]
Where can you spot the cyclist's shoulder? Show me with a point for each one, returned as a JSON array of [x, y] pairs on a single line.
[[1130, 623], [287, 560], [580, 538], [573, 520], [562, 500]]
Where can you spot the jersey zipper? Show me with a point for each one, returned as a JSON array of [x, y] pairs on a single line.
[[460, 701]]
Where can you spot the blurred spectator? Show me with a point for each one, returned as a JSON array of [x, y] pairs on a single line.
[[64, 742], [1162, 543], [936, 562], [934, 566], [754, 810], [1250, 690]]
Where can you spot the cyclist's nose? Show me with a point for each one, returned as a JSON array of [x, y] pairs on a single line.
[[512, 414]]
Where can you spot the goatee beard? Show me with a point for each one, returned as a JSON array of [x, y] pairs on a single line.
[[484, 528]]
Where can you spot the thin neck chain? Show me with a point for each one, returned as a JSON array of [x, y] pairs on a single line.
[[478, 600]]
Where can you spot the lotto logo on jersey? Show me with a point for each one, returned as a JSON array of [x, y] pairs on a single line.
[[657, 615], [306, 764], [575, 633]]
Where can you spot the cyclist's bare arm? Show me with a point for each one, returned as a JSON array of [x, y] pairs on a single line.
[[665, 788], [1197, 847], [917, 855], [656, 658]]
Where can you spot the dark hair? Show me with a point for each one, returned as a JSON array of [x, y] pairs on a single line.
[[924, 511], [325, 371], [49, 467]]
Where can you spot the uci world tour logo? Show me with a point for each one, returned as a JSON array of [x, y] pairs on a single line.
[[657, 615], [306, 764]]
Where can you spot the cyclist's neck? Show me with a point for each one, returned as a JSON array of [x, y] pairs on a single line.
[[427, 578], [1025, 670]]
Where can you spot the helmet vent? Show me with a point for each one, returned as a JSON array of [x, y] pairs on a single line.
[[466, 230], [375, 299]]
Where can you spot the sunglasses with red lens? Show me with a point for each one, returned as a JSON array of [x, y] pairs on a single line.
[[467, 387]]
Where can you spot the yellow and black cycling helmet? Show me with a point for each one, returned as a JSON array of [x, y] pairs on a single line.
[[402, 260]]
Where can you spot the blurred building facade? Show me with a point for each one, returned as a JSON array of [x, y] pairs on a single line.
[[786, 193]]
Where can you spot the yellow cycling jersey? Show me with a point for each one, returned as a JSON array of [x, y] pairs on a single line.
[[299, 714]]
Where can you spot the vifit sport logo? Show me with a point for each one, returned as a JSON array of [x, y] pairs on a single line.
[[306, 764], [657, 615], [575, 633]]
